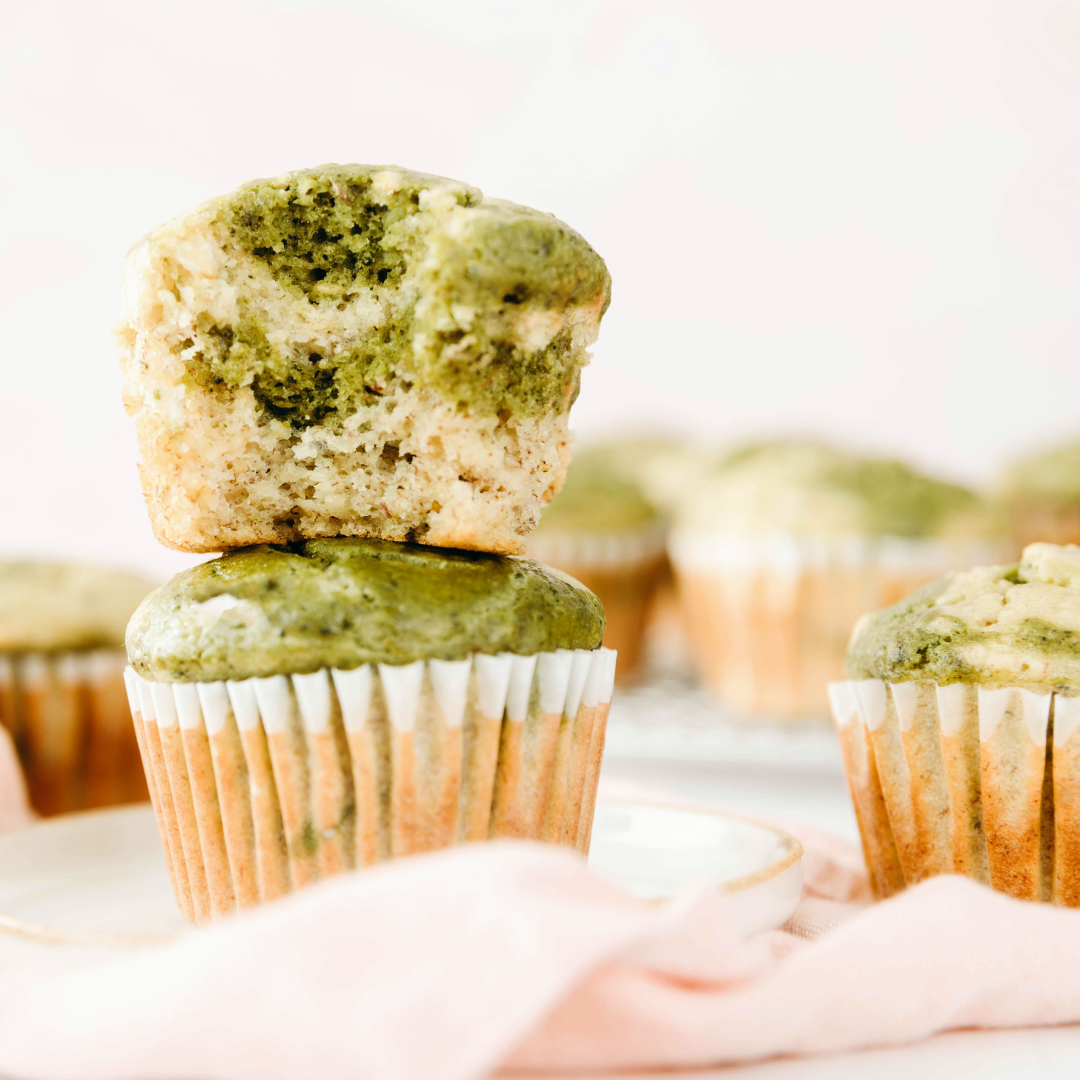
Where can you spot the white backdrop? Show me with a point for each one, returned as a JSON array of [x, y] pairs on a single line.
[[861, 219]]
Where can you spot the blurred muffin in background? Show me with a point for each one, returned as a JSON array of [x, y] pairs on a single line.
[[1042, 495], [602, 530], [62, 695], [780, 551], [664, 468]]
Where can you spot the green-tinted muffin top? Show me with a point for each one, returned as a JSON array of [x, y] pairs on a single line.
[[597, 499], [1052, 477], [55, 607], [1015, 625], [808, 488], [344, 602]]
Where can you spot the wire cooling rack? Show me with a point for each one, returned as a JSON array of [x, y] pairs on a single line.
[[674, 720]]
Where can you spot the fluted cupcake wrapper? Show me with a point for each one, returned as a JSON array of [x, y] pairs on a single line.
[[964, 779], [769, 617], [67, 715], [265, 785]]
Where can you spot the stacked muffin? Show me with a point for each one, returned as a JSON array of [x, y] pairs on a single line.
[[780, 550], [340, 366], [960, 726], [61, 682]]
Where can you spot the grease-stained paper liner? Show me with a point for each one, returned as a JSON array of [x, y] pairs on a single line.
[[769, 618], [68, 717], [265, 785], [624, 569], [964, 779]]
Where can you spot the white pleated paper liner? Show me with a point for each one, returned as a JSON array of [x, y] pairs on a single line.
[[599, 552], [964, 779], [68, 716], [696, 549], [264, 785], [769, 617]]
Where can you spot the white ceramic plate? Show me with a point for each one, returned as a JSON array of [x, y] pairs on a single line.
[[98, 879], [651, 849]]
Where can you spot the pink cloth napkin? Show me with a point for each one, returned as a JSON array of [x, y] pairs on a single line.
[[513, 957]]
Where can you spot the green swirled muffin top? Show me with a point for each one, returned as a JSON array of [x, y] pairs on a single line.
[[1016, 625], [345, 602]]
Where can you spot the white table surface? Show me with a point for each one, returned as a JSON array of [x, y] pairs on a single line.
[[1042, 1054], [814, 792]]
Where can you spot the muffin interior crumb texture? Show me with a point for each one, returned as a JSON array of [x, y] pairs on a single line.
[[356, 350], [1015, 625]]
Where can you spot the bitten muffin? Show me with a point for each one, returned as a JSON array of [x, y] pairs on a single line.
[[960, 725], [356, 350], [602, 531], [780, 551], [307, 709], [61, 682], [1042, 494]]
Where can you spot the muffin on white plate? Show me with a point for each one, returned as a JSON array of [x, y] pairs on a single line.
[[307, 709], [786, 544], [960, 725], [61, 682], [602, 531], [356, 350]]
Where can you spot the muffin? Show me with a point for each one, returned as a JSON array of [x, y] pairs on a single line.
[[602, 531], [61, 682], [1042, 494], [310, 708], [356, 350], [665, 468], [786, 544], [960, 725]]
